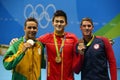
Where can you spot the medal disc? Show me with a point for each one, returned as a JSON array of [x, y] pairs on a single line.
[[58, 59]]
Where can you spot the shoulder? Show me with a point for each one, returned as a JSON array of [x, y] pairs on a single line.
[[16, 44], [104, 39], [45, 36], [19, 41], [69, 34], [40, 43], [101, 37]]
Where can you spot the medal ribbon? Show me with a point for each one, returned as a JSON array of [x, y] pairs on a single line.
[[89, 43], [56, 45]]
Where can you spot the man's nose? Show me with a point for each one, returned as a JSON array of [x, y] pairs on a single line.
[[86, 27], [59, 23], [32, 29]]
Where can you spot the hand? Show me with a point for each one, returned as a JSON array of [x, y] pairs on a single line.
[[13, 41], [29, 43], [26, 45], [81, 48], [111, 41]]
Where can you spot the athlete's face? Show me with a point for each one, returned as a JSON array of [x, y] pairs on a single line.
[[86, 28], [59, 23], [30, 29]]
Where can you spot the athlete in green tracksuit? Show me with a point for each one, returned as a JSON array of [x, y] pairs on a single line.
[[26, 58]]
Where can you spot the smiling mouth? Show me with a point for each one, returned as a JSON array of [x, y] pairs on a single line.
[[87, 31], [58, 26], [32, 34]]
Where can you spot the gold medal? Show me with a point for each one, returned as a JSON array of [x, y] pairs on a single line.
[[58, 59]]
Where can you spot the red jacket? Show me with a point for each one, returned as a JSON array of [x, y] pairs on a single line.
[[63, 70]]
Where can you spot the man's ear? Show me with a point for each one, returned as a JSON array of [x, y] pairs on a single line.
[[93, 28], [24, 28], [80, 27], [53, 23], [65, 24]]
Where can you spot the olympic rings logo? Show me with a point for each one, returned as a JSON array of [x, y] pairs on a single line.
[[41, 13]]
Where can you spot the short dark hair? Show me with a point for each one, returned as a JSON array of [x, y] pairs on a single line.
[[86, 19], [31, 19], [60, 13]]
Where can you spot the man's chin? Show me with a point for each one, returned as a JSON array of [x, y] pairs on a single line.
[[86, 34], [59, 29], [32, 37]]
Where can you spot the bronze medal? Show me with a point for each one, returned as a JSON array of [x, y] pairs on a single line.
[[58, 59], [81, 46]]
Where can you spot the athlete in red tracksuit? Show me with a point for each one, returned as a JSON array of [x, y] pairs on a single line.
[[60, 46]]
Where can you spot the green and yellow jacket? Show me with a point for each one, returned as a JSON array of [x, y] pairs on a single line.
[[25, 65]]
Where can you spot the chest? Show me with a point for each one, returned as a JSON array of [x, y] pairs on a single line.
[[96, 49]]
